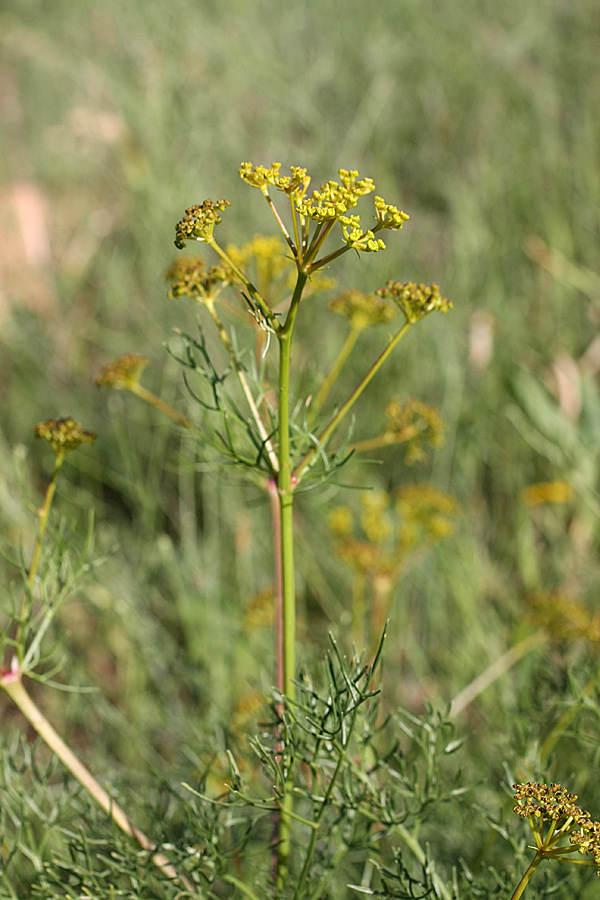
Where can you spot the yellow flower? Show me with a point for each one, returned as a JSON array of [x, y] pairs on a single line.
[[415, 300], [547, 492], [362, 310], [63, 435], [122, 373]]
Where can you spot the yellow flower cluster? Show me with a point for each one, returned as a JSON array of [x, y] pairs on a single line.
[[362, 309], [63, 435], [416, 423], [336, 197], [547, 492], [389, 216], [295, 185], [565, 618], [124, 372], [428, 513], [189, 277], [543, 803], [415, 300], [421, 515], [357, 238], [267, 255]]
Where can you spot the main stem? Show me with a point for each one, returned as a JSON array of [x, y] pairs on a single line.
[[285, 488], [527, 877]]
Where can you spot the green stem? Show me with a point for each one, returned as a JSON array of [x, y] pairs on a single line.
[[335, 371], [264, 307], [345, 408], [159, 404], [318, 239], [241, 376], [281, 224], [414, 846], [565, 720], [276, 522], [527, 877], [322, 809], [286, 498], [17, 693], [242, 888], [43, 514]]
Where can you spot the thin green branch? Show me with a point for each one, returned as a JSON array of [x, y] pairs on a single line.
[[281, 224], [260, 302], [310, 851], [241, 376], [43, 514], [349, 403], [144, 394], [334, 372]]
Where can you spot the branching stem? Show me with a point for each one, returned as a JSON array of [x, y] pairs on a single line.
[[349, 403]]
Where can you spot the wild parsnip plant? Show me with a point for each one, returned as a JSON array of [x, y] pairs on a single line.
[[333, 799], [291, 441]]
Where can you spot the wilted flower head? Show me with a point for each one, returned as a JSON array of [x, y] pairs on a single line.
[[124, 372], [63, 435], [415, 300], [199, 222], [361, 309], [547, 803]]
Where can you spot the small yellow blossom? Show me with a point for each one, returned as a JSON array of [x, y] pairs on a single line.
[[261, 610], [547, 492], [374, 522], [339, 521], [415, 423], [565, 618]]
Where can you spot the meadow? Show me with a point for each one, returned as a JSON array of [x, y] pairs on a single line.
[[479, 120]]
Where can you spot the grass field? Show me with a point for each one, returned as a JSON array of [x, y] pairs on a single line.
[[480, 120]]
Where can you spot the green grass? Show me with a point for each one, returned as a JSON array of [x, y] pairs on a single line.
[[481, 122]]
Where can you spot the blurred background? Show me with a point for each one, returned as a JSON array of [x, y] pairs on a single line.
[[480, 120]]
